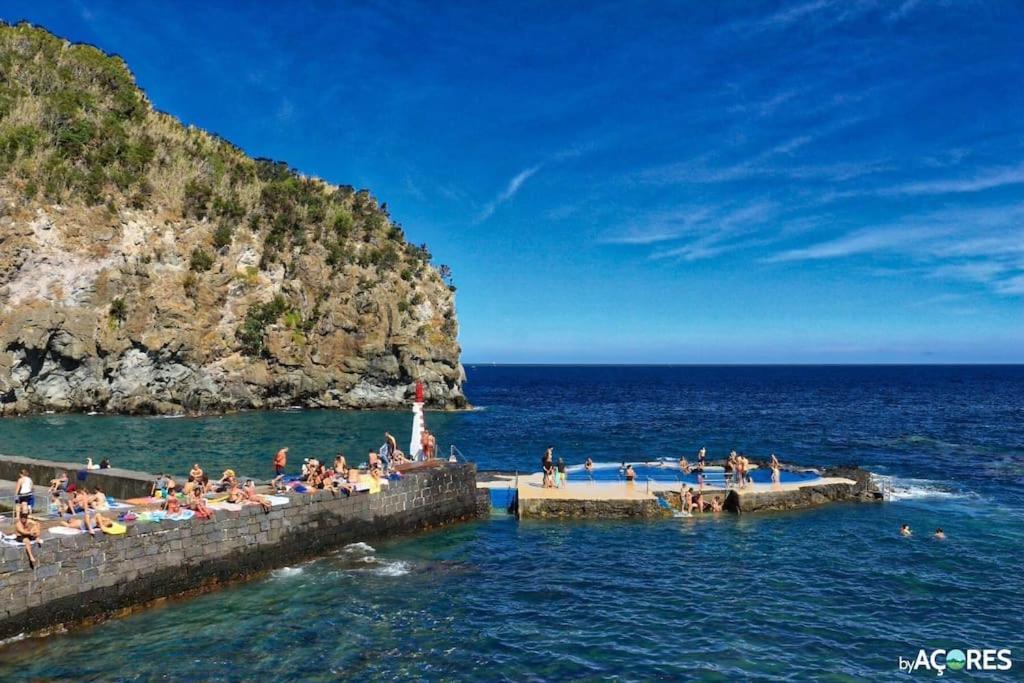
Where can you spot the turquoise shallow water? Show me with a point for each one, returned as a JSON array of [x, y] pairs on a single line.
[[830, 594]]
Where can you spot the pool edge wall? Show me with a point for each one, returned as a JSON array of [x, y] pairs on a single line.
[[79, 578]]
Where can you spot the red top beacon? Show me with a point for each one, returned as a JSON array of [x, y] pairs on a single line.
[[419, 392]]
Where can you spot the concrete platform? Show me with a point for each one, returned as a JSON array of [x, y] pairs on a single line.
[[617, 499]]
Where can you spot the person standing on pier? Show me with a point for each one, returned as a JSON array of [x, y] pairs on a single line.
[[25, 490], [280, 462], [562, 477], [776, 471], [547, 466]]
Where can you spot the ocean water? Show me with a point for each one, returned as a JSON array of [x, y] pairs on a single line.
[[827, 594]]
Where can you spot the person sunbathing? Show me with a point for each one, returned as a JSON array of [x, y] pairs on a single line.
[[249, 491], [196, 473], [235, 493], [98, 501], [172, 505], [99, 522], [198, 502], [81, 501]]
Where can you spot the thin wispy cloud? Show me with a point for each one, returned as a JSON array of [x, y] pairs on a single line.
[[860, 242], [986, 179], [934, 244], [510, 191]]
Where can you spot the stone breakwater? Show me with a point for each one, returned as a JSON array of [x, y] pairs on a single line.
[[81, 578]]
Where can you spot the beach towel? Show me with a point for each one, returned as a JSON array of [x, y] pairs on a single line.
[[152, 515], [115, 529], [181, 516], [64, 531], [278, 500], [224, 505], [147, 500]]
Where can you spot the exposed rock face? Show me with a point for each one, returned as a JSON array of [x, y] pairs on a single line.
[[146, 267], [62, 349]]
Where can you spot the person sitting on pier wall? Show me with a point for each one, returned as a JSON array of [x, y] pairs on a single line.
[[171, 504], [196, 473], [399, 458], [227, 480], [60, 483], [197, 502], [630, 474], [340, 465], [79, 502], [98, 500], [684, 466], [235, 495], [28, 531]]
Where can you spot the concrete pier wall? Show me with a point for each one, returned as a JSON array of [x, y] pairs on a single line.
[[113, 482], [79, 577]]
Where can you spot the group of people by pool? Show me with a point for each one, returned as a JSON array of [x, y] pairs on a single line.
[[737, 469]]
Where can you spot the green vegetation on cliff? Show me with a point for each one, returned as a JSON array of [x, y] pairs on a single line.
[[142, 238]]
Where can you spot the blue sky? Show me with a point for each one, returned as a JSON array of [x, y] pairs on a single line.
[[813, 181]]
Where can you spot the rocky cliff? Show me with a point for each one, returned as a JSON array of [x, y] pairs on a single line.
[[149, 267]]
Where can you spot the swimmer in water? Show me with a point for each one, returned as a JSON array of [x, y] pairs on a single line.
[[940, 535], [905, 530]]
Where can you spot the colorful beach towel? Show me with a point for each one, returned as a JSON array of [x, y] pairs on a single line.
[[181, 516], [152, 516]]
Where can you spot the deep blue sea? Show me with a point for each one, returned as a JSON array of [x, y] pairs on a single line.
[[829, 594]]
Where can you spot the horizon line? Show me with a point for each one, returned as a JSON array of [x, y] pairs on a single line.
[[748, 365]]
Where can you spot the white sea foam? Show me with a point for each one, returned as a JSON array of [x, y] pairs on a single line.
[[916, 489], [286, 572], [12, 639], [358, 548], [396, 568]]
